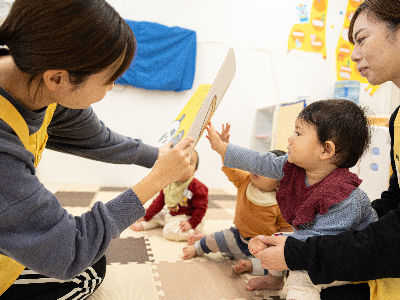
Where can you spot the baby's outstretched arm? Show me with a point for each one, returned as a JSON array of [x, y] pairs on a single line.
[[218, 141]]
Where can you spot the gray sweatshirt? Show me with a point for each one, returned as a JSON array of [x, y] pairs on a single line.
[[34, 229]]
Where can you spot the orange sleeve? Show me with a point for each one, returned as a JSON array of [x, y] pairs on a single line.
[[235, 176]]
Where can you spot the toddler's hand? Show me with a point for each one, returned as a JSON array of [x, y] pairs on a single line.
[[185, 225], [216, 142], [225, 132], [255, 245]]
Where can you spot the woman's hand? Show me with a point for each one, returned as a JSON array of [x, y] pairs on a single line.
[[164, 149], [168, 168], [272, 256], [216, 141], [173, 162]]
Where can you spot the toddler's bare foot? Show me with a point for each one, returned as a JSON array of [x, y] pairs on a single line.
[[243, 265], [189, 252], [137, 226], [267, 282], [195, 237]]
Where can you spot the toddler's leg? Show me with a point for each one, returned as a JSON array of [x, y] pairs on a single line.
[[189, 252], [257, 268], [272, 281], [172, 230], [206, 244], [195, 237], [157, 221], [145, 225], [300, 287], [221, 241]]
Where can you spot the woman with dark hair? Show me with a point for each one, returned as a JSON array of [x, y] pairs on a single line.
[[371, 254], [60, 57]]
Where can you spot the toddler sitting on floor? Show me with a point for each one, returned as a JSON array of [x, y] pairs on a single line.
[[180, 207]]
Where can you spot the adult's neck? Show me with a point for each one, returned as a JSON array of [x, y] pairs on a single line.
[[16, 83]]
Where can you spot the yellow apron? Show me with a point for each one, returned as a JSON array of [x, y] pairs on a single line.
[[389, 288], [35, 143]]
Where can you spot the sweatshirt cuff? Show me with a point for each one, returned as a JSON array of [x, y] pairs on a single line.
[[151, 155], [125, 209], [296, 254]]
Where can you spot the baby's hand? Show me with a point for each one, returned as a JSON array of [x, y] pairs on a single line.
[[185, 225], [216, 142], [255, 245], [225, 132]]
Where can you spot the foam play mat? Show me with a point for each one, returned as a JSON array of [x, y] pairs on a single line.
[[144, 265]]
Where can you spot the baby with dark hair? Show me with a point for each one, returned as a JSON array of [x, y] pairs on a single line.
[[318, 195], [256, 213]]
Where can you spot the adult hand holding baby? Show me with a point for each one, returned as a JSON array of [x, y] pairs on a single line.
[[270, 250]]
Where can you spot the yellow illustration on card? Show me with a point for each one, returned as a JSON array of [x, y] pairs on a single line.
[[181, 125], [197, 113], [346, 69], [310, 36]]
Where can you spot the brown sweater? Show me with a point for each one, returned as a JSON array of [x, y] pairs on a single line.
[[251, 219]]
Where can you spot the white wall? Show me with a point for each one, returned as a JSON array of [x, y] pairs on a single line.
[[258, 31]]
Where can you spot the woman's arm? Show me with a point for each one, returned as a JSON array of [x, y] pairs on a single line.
[[371, 253], [80, 132], [389, 199], [37, 232]]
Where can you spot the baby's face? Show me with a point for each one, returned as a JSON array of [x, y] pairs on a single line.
[[265, 184]]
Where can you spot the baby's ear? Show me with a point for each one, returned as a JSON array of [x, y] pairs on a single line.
[[329, 150]]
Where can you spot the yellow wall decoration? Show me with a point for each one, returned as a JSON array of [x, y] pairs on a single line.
[[346, 69], [311, 36]]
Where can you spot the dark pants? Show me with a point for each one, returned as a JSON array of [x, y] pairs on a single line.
[[33, 286]]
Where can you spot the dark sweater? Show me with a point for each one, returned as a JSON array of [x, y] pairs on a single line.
[[371, 253]]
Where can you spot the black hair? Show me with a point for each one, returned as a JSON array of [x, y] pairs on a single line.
[[387, 11], [344, 123], [83, 37]]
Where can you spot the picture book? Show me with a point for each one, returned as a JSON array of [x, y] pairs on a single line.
[[196, 114]]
